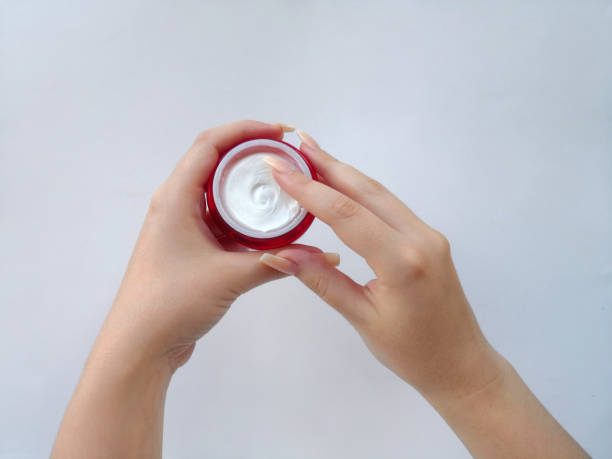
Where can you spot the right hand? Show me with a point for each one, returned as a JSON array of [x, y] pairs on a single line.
[[413, 316]]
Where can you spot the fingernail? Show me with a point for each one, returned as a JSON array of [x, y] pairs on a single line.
[[278, 263], [286, 127], [332, 258], [304, 137], [280, 166]]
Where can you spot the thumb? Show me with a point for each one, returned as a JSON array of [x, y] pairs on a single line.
[[332, 285], [247, 272]]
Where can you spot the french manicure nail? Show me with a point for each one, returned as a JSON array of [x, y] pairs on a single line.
[[278, 263], [332, 258], [307, 139], [280, 166], [286, 127]]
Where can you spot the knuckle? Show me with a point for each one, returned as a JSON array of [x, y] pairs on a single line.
[[202, 137], [440, 243], [158, 200], [320, 285], [332, 161], [245, 126], [372, 186], [413, 261], [342, 169], [242, 129], [344, 207], [367, 185]]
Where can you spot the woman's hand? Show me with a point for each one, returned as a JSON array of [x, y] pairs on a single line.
[[179, 282], [414, 316], [181, 278]]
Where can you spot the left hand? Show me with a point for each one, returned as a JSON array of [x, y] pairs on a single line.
[[181, 280]]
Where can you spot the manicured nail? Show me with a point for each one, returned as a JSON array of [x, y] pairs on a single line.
[[280, 166], [286, 127], [279, 263], [332, 258], [304, 137]]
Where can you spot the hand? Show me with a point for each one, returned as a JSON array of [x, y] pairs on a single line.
[[181, 280], [414, 316]]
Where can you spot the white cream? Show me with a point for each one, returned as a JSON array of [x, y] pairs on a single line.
[[253, 198]]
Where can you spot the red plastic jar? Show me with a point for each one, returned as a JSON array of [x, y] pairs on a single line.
[[237, 230]]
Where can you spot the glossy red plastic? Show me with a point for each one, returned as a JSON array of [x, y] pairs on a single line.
[[254, 242]]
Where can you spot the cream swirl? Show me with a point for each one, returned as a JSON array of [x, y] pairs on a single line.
[[253, 198]]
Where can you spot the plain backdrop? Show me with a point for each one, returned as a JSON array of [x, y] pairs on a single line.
[[491, 120]]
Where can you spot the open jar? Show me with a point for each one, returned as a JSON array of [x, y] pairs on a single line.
[[248, 205]]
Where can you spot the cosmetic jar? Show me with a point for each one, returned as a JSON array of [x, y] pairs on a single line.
[[247, 204]]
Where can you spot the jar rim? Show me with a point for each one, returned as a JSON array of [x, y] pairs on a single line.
[[253, 147]]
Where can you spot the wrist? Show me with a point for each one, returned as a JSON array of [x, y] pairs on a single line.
[[127, 354], [114, 363], [125, 391], [502, 418], [483, 376], [142, 327]]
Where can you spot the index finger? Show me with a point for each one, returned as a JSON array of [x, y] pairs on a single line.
[[355, 225], [363, 189]]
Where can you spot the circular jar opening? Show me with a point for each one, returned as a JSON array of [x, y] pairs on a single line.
[[249, 202]]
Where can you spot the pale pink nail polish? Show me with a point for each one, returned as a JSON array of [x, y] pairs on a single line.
[[278, 263], [306, 138]]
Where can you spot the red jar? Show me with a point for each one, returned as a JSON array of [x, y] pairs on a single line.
[[231, 224]]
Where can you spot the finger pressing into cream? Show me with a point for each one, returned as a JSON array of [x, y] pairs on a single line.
[[252, 196], [359, 187], [247, 202]]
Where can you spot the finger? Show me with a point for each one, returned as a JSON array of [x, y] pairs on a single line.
[[333, 286], [359, 187], [247, 272], [194, 168], [358, 227]]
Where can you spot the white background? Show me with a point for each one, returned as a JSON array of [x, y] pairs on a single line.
[[492, 120]]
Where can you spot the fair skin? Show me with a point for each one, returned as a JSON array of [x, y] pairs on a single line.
[[413, 316]]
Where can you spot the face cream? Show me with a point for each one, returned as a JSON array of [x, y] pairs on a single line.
[[247, 203]]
